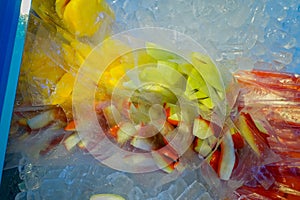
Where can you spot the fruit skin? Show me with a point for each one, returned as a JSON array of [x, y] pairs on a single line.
[[214, 160], [165, 160], [256, 139], [238, 140]]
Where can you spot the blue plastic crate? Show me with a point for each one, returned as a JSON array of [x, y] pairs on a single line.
[[12, 44]]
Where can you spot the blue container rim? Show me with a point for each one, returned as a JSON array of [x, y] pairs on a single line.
[[10, 61]]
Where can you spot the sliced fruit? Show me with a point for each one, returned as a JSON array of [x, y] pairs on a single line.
[[172, 113], [81, 145], [260, 127], [71, 126], [142, 143], [169, 152], [227, 157], [63, 89], [202, 128], [171, 109], [113, 131], [174, 119], [164, 93], [106, 197], [60, 7], [164, 163], [214, 160], [166, 129], [206, 67], [251, 133], [158, 52], [170, 73], [22, 122], [71, 141], [238, 140], [125, 132], [196, 87], [109, 112], [202, 147], [185, 68], [42, 120], [152, 74], [84, 19]]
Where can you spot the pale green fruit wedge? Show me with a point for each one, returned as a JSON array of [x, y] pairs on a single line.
[[166, 94], [106, 197], [196, 87], [152, 74], [202, 147], [209, 71], [169, 72], [125, 132], [158, 52], [202, 129]]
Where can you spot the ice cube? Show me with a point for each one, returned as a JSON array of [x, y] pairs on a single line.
[[33, 195], [164, 196], [283, 57], [205, 196], [276, 10], [136, 194], [263, 176], [145, 18], [177, 188], [32, 180], [238, 17], [53, 189], [193, 191], [21, 196], [120, 183]]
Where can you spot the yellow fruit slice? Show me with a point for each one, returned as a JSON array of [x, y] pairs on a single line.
[[60, 6], [64, 88], [84, 18]]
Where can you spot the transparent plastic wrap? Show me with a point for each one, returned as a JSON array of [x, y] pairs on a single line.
[[273, 99], [53, 53], [149, 106]]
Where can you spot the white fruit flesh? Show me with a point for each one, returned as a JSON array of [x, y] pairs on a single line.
[[41, 120], [71, 141], [227, 157]]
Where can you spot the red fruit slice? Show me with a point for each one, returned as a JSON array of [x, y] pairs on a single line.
[[214, 161], [251, 133], [114, 130], [71, 126], [238, 141]]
